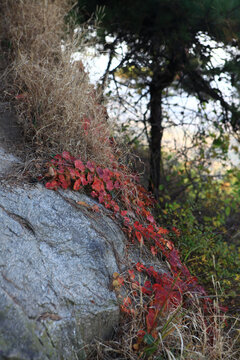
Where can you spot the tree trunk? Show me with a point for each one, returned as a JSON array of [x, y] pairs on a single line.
[[156, 134], [162, 78]]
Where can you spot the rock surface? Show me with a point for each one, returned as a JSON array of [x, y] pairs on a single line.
[[57, 258], [56, 264]]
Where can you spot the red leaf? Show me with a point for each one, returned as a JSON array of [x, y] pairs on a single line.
[[140, 267], [109, 185], [114, 205], [52, 185], [151, 320], [21, 96], [127, 301], [117, 185], [139, 237], [116, 208], [124, 309], [98, 185], [177, 232], [147, 288], [83, 180], [63, 181], [90, 166], [86, 125], [94, 194], [58, 157], [124, 212], [61, 170], [151, 219], [77, 184], [101, 199], [66, 155], [72, 173], [89, 178], [162, 231], [153, 250], [141, 333], [132, 275], [106, 175], [100, 172], [79, 165]]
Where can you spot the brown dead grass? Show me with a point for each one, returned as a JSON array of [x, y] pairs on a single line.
[[55, 94], [183, 334]]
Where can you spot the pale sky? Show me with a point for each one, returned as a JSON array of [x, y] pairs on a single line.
[[95, 65]]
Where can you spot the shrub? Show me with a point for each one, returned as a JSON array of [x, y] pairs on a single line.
[[208, 224]]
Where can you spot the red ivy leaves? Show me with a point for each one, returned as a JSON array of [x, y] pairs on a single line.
[[98, 185], [52, 185], [79, 165], [77, 184], [166, 291]]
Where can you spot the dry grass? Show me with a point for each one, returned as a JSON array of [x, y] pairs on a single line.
[[56, 97], [183, 334], [189, 340]]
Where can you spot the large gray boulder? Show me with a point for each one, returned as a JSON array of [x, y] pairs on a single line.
[[56, 264], [57, 258]]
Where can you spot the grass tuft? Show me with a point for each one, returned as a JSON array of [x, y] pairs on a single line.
[[57, 107]]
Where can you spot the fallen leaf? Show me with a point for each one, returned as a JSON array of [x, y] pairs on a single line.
[[115, 275], [95, 208], [83, 203]]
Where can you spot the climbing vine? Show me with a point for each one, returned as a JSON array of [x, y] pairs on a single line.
[[131, 204]]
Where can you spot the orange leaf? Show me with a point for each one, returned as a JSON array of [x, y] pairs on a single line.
[[115, 275], [162, 231], [83, 180], [83, 203], [95, 208], [170, 245], [77, 184], [135, 347], [127, 301], [153, 250], [98, 184], [132, 275], [120, 280]]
